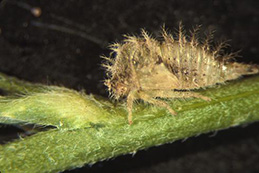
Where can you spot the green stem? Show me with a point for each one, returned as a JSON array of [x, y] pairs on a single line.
[[109, 135], [13, 86]]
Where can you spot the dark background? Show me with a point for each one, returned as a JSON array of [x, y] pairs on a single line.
[[63, 46]]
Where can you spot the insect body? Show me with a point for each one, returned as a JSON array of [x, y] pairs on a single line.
[[147, 69]]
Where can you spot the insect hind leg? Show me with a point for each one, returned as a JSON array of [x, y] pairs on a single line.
[[176, 94], [148, 98]]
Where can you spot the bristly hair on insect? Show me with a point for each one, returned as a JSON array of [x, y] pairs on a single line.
[[147, 69]]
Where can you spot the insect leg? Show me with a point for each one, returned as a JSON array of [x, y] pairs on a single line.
[[176, 94], [146, 97], [187, 94], [196, 95], [130, 100]]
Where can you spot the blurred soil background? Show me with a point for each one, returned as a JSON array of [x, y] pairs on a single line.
[[60, 43]]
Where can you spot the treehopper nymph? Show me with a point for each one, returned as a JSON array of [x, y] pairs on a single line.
[[147, 69]]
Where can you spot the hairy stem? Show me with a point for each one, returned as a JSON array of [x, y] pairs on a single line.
[[12, 85], [95, 129]]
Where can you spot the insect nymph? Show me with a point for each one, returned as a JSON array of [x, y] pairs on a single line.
[[147, 69]]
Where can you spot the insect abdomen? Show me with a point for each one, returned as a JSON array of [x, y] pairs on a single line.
[[197, 67]]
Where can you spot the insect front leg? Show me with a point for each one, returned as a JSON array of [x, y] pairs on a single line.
[[130, 100]]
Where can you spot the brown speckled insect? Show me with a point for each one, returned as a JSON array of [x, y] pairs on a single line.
[[148, 69]]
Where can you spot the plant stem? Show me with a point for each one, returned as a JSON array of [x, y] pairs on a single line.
[[12, 85], [109, 135]]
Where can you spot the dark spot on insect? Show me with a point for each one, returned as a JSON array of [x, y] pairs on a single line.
[[159, 60], [135, 63], [183, 70], [203, 74], [250, 69], [175, 70]]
